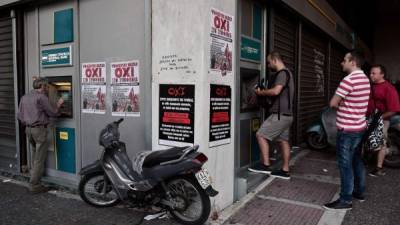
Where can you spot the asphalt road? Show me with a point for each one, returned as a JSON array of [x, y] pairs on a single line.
[[18, 207], [382, 205]]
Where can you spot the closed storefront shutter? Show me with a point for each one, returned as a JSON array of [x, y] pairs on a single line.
[[284, 39], [336, 72], [313, 79], [8, 158]]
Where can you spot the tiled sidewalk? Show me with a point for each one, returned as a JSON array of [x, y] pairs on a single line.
[[315, 181]]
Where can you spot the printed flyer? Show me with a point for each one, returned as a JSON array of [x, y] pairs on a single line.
[[94, 87], [221, 43], [125, 88]]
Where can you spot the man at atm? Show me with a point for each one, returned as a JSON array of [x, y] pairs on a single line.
[[34, 112], [280, 93]]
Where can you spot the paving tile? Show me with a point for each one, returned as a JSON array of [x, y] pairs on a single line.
[[266, 212], [316, 167], [301, 190], [322, 155]]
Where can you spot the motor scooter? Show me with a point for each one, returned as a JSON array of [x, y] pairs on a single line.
[[322, 134], [172, 179]]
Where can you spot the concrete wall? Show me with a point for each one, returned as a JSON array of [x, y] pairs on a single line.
[[112, 31], [104, 31], [386, 44], [6, 2], [182, 28]]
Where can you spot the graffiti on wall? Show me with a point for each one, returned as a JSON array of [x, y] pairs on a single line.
[[319, 65]]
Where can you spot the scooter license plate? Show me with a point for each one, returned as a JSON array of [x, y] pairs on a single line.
[[204, 178]]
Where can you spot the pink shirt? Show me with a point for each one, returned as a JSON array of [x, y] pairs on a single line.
[[355, 90]]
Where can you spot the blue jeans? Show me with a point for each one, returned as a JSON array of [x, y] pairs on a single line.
[[351, 167]]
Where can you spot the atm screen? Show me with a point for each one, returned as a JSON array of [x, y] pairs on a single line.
[[61, 87], [248, 98]]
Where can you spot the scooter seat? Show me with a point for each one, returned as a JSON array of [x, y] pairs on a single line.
[[157, 157]]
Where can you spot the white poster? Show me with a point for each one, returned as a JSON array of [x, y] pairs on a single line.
[[221, 43], [94, 87], [125, 88], [125, 100], [94, 99]]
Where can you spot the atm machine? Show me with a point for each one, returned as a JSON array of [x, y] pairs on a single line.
[[249, 117], [62, 134]]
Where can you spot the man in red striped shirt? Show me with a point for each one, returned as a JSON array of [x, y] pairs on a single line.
[[351, 100]]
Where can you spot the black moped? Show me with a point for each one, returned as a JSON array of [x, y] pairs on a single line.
[[171, 179]]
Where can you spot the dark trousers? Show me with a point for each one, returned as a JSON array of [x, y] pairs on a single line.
[[351, 167], [37, 137]]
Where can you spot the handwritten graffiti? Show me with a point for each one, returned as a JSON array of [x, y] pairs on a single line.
[[319, 60]]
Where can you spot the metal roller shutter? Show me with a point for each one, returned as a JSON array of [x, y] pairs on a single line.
[[284, 40], [313, 79], [8, 151], [336, 72]]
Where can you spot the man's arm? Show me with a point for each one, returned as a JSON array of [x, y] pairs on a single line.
[[275, 91], [335, 101], [48, 108], [387, 115]]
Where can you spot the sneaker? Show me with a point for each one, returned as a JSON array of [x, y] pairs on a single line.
[[338, 205], [377, 172], [38, 189], [260, 168], [281, 174], [359, 197]]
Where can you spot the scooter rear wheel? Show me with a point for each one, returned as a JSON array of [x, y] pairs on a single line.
[[393, 158], [316, 141], [193, 203], [93, 191]]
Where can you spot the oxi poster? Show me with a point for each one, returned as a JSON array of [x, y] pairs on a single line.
[[93, 87], [221, 43], [125, 88], [220, 115], [176, 118]]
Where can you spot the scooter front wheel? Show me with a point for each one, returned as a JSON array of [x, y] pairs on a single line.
[[192, 203], [96, 190], [317, 141]]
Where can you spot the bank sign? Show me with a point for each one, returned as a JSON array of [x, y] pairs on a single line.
[[250, 49], [57, 57]]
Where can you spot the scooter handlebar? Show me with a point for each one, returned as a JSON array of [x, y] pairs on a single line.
[[119, 121]]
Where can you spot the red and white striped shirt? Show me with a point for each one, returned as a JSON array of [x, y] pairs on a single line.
[[355, 90]]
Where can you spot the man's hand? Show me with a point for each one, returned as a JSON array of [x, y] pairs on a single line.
[[336, 101], [60, 102], [259, 92], [275, 91]]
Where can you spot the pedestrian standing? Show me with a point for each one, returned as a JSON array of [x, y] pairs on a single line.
[[384, 98], [351, 100], [34, 112]]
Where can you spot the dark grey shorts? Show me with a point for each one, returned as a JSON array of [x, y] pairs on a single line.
[[273, 129]]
